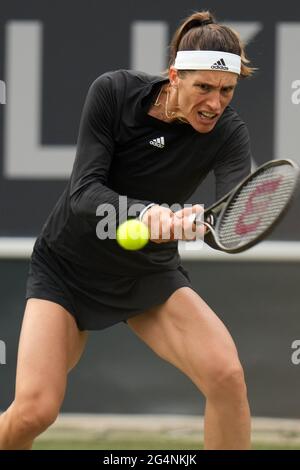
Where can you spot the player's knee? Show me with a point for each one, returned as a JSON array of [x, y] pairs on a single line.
[[227, 382], [37, 413]]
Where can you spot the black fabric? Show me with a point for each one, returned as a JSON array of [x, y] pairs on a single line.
[[97, 300], [96, 280], [114, 157]]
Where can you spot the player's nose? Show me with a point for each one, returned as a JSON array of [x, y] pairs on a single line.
[[214, 102]]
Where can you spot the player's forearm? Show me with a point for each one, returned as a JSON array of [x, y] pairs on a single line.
[[96, 200]]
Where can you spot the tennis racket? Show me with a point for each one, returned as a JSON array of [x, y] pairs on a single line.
[[249, 212]]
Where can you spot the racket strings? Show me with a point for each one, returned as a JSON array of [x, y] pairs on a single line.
[[256, 206]]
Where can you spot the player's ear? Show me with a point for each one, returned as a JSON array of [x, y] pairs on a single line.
[[173, 76]]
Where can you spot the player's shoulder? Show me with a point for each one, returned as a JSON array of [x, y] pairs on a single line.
[[231, 119], [124, 79], [231, 123]]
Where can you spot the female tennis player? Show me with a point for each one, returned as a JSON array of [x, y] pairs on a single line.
[[152, 139]]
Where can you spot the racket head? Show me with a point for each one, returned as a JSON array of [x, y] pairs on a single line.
[[256, 206]]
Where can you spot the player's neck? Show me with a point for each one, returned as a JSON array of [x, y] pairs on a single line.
[[161, 108], [165, 106]]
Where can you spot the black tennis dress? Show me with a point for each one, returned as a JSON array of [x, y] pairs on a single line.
[[122, 151]]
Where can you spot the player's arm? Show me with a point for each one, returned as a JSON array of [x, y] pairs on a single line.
[[95, 150], [233, 162]]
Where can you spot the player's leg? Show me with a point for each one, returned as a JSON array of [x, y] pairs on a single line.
[[50, 345], [185, 332]]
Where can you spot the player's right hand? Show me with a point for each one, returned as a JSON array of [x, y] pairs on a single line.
[[165, 225]]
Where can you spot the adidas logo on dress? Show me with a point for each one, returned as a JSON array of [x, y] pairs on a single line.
[[159, 142], [219, 65]]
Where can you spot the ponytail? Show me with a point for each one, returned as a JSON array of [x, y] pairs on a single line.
[[200, 31]]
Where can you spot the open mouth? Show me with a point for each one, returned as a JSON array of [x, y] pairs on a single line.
[[207, 115]]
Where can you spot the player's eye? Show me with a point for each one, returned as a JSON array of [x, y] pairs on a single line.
[[203, 87], [227, 90]]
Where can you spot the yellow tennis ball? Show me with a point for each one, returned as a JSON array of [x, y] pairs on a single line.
[[132, 235]]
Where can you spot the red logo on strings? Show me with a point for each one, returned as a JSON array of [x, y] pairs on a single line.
[[252, 206]]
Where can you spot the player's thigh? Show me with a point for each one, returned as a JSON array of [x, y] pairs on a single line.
[[187, 333], [50, 345]]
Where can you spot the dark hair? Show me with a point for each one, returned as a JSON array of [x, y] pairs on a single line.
[[200, 31]]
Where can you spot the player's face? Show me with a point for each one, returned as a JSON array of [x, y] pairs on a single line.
[[203, 96]]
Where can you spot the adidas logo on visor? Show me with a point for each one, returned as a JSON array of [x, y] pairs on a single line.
[[159, 142], [219, 65]]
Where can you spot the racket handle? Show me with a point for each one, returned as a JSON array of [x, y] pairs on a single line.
[[199, 220], [209, 236]]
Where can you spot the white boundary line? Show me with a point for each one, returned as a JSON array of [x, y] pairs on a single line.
[[21, 248], [161, 422], [83, 427]]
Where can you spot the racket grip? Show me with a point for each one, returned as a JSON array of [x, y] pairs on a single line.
[[209, 236]]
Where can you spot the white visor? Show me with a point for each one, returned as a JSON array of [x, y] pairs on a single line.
[[208, 60]]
